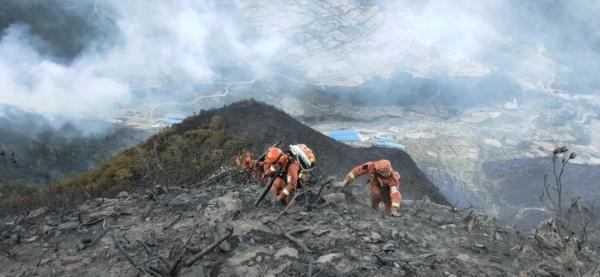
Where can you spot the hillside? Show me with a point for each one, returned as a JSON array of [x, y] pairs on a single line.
[[260, 125], [185, 153], [189, 213]]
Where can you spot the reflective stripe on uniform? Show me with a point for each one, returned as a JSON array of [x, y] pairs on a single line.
[[286, 192], [394, 189], [397, 205], [351, 175]]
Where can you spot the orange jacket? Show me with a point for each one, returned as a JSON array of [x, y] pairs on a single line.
[[370, 169], [290, 168]]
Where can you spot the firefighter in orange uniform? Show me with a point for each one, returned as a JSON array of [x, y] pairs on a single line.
[[288, 167], [384, 184], [246, 163]]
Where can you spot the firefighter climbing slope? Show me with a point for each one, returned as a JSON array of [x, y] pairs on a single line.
[[288, 168], [282, 171], [384, 184], [246, 163]]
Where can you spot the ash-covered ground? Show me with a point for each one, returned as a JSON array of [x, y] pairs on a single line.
[[334, 233]]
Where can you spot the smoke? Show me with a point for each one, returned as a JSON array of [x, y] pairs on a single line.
[[433, 38], [35, 83], [536, 43], [141, 43], [89, 59]]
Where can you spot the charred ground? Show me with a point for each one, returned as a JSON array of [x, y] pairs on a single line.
[[334, 235]]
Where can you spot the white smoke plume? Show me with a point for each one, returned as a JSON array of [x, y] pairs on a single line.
[[151, 41]]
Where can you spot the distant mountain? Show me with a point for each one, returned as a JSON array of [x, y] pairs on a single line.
[[518, 184], [46, 151]]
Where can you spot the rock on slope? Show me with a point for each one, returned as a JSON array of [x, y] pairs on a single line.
[[339, 235]]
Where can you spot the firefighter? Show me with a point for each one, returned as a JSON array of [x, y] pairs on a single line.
[[288, 167], [384, 184], [246, 163]]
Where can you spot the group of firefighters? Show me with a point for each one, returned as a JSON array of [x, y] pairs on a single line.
[[288, 169]]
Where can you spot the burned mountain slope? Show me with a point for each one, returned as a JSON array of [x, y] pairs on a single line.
[[209, 226], [186, 153], [261, 125]]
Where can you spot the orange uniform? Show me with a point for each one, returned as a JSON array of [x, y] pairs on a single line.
[[287, 168], [249, 165], [286, 182], [384, 183]]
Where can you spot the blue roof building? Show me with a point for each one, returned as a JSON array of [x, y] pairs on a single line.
[[387, 143], [344, 135]]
